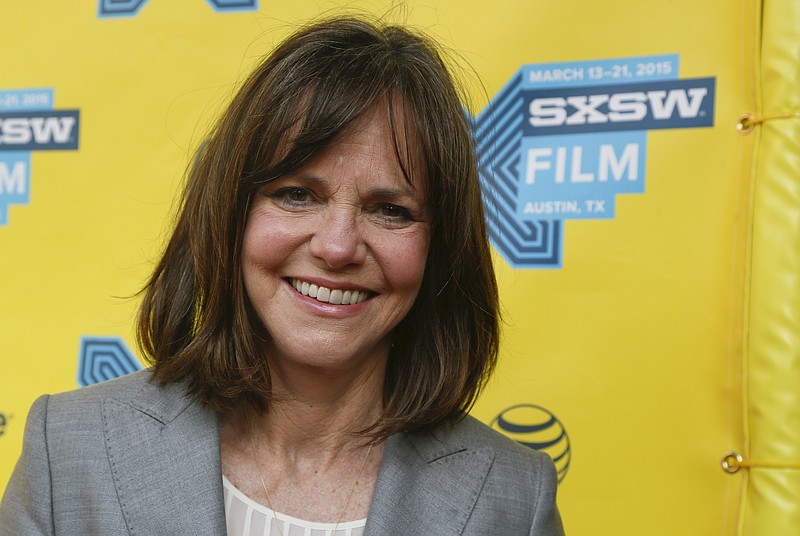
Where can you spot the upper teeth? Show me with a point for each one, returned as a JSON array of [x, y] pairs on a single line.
[[326, 295]]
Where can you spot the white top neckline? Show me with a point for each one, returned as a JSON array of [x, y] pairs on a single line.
[[233, 493]]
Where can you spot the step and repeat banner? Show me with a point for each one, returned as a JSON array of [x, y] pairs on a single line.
[[639, 167]]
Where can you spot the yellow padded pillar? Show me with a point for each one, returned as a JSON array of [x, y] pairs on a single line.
[[771, 502]]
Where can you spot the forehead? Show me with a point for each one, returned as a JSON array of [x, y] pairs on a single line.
[[365, 158], [386, 128], [317, 122]]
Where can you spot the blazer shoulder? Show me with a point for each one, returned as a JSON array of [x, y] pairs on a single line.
[[520, 485], [137, 390], [471, 433], [125, 450], [513, 461]]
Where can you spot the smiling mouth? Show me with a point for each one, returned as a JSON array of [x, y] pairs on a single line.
[[327, 295]]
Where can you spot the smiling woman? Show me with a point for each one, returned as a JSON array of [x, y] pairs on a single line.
[[324, 315], [345, 113]]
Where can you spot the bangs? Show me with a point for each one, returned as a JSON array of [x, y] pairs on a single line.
[[306, 114]]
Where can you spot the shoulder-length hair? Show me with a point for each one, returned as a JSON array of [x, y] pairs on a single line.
[[196, 324]]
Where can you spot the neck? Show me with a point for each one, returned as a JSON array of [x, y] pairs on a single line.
[[316, 413], [318, 421], [300, 450]]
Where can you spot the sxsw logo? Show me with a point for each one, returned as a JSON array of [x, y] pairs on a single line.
[[28, 123], [560, 141], [131, 8], [30, 131], [673, 104]]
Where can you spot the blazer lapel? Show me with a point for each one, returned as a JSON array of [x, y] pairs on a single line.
[[426, 486], [164, 456]]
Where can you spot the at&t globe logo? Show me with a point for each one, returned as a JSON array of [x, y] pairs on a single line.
[[537, 428]]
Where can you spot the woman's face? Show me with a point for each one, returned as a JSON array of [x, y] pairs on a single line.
[[334, 253]]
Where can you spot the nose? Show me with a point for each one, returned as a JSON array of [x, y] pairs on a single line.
[[338, 241]]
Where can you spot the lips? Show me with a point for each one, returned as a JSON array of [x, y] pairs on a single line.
[[333, 296]]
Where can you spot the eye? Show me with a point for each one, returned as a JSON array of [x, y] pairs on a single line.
[[293, 196], [394, 214], [296, 195]]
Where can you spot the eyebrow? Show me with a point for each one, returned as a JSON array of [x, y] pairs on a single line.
[[387, 193], [308, 178], [392, 193]]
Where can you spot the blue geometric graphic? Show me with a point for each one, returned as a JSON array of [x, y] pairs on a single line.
[[537, 428], [234, 5], [498, 131], [104, 358], [119, 8], [131, 8]]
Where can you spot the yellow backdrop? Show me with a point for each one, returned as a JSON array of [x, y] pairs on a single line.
[[650, 316]]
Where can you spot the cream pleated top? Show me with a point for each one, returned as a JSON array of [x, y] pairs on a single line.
[[246, 517]]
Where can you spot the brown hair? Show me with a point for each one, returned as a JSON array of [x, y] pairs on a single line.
[[196, 324]]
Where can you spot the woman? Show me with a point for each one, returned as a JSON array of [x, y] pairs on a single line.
[[323, 316]]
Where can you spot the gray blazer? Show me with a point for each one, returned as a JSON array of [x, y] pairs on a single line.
[[129, 457]]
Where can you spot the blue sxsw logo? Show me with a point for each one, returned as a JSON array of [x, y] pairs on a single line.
[[561, 140], [39, 131], [29, 123], [648, 106], [131, 8]]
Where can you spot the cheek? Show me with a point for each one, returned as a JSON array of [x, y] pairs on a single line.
[[408, 257], [269, 239], [254, 251], [262, 252]]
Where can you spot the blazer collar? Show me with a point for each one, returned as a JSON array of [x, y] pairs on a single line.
[[164, 454], [163, 450], [427, 485]]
